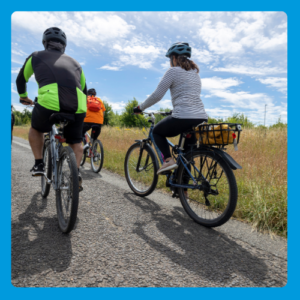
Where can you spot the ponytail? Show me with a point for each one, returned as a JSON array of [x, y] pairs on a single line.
[[185, 63]]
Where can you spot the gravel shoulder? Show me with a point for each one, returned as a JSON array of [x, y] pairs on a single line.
[[121, 239]]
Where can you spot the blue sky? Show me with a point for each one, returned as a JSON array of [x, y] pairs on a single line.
[[242, 55]]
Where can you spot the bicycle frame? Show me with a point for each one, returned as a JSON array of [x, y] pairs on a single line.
[[55, 144], [180, 158]]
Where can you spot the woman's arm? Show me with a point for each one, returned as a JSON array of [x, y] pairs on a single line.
[[160, 91]]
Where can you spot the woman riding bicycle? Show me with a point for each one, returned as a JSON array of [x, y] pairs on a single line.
[[184, 83]]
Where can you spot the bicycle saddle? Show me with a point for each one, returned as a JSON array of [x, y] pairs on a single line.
[[61, 117]]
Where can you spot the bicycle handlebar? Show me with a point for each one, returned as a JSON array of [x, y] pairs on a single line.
[[156, 113]]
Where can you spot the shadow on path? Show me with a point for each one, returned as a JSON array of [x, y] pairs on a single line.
[[37, 244], [206, 252]]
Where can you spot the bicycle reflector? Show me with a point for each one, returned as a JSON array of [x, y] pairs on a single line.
[[234, 135], [59, 138]]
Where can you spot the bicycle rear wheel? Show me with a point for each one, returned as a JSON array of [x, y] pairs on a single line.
[[97, 156], [48, 169], [215, 204], [141, 179], [67, 194]]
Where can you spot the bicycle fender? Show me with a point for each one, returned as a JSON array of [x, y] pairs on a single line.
[[229, 160]]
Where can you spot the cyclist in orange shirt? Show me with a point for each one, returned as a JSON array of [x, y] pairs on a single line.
[[94, 116]]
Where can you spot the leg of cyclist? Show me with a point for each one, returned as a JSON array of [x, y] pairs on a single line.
[[39, 125], [170, 127], [73, 135], [96, 129], [36, 141], [86, 127]]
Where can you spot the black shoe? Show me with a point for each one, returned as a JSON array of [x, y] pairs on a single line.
[[38, 170], [80, 182]]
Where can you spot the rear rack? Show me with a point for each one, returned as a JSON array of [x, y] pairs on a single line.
[[220, 134]]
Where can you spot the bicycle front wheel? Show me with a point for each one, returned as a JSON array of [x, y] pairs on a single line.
[[67, 194], [97, 156], [48, 169], [215, 203], [140, 169]]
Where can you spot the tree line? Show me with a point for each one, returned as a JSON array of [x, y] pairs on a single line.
[[127, 119]]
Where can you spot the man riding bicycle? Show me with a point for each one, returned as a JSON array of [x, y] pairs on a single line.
[[62, 88], [94, 116]]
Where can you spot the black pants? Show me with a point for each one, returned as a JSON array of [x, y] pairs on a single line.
[[96, 130], [170, 127], [40, 122]]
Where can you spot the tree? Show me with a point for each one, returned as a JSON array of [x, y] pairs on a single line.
[[160, 117], [108, 114], [128, 119]]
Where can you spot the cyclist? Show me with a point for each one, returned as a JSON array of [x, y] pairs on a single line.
[[183, 80], [62, 88], [94, 116]]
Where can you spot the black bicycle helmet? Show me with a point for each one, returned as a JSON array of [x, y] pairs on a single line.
[[54, 34], [179, 49], [92, 92]]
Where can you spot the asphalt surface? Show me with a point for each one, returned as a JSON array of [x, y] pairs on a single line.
[[122, 240]]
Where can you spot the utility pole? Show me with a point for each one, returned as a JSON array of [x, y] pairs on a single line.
[[265, 114]]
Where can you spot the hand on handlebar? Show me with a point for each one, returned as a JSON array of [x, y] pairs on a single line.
[[137, 110], [26, 101]]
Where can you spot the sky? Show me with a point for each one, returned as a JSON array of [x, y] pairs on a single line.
[[242, 56]]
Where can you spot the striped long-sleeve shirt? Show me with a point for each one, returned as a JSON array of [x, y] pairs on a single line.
[[185, 88]]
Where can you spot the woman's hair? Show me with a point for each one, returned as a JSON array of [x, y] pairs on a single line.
[[185, 63]]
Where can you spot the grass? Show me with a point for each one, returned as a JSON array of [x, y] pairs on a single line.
[[262, 182]]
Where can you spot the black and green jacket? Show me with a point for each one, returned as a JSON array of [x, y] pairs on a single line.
[[61, 81]]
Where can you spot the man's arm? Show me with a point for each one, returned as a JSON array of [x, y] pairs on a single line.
[[23, 77], [83, 83]]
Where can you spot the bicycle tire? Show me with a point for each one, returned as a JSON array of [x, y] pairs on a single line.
[[83, 157], [132, 181], [67, 155], [48, 169], [96, 168], [217, 220]]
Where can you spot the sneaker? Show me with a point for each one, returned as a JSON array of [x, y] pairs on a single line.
[[86, 146], [167, 166], [38, 170], [80, 182]]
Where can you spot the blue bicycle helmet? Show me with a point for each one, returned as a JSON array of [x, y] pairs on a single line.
[[54, 34], [179, 49]]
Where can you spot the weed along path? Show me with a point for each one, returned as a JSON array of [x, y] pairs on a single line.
[[122, 240]]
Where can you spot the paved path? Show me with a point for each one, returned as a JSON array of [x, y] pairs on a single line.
[[124, 240]]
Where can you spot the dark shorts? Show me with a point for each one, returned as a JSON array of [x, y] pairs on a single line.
[[96, 129], [40, 122]]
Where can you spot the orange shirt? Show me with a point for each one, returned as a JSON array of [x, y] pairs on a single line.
[[95, 116]]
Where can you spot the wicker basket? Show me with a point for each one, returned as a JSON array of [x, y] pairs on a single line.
[[218, 134]]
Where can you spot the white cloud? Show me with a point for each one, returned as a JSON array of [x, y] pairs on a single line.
[[12, 88], [15, 70], [203, 56], [81, 27], [137, 52], [217, 83], [250, 70], [116, 106], [110, 68], [166, 65], [18, 52], [252, 104], [275, 82]]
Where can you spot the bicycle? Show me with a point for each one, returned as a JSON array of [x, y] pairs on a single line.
[[94, 152], [204, 181], [61, 171]]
